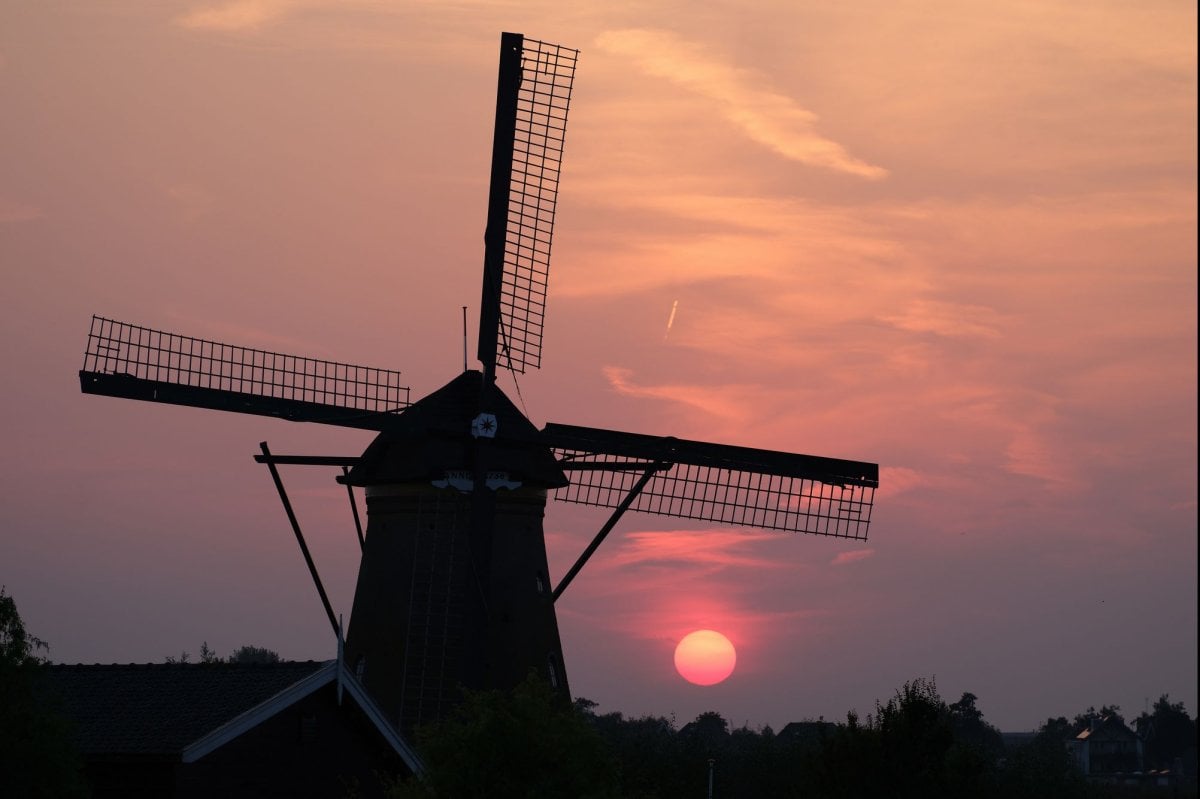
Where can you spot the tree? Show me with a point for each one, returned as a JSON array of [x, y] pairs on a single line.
[[912, 749], [1084, 719], [1043, 767], [709, 733], [1169, 732], [1057, 730], [648, 751], [970, 729], [243, 654], [37, 757], [253, 654], [17, 648], [513, 744], [915, 736]]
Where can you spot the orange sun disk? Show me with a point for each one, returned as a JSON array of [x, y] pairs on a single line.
[[705, 657]]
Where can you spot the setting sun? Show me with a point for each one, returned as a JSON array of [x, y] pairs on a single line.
[[705, 657]]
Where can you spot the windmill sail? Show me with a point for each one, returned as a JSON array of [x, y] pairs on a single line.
[[532, 96], [135, 362], [716, 482]]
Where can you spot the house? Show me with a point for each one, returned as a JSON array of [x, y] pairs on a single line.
[[1106, 747], [229, 729], [807, 733]]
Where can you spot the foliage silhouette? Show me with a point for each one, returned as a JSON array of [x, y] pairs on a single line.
[[524, 743], [37, 755], [243, 654], [1170, 735]]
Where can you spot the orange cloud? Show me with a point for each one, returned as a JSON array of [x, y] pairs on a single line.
[[236, 15], [773, 120], [1029, 453], [851, 556], [947, 319], [720, 548], [721, 401], [895, 480]]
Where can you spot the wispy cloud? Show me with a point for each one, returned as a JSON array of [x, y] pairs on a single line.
[[947, 319], [772, 119], [661, 585], [721, 548], [671, 620], [236, 15], [1030, 452], [895, 480], [724, 402], [851, 556]]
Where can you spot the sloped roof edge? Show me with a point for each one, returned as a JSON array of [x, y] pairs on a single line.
[[390, 734], [246, 721]]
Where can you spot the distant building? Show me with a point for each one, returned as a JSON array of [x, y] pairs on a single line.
[[1015, 740], [806, 733], [1107, 747], [230, 730]]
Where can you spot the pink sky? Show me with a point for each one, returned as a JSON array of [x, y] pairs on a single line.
[[958, 240]]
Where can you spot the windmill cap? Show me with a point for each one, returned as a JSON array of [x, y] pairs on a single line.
[[434, 435]]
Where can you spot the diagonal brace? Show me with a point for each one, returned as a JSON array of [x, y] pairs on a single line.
[[312, 567], [362, 542], [608, 526]]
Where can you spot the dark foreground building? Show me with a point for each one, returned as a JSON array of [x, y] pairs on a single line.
[[232, 730]]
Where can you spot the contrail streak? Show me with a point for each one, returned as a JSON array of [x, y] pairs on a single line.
[[671, 319]]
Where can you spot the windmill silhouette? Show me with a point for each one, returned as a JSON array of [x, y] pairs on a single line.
[[453, 588]]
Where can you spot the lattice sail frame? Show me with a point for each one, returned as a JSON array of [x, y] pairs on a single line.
[[547, 77], [127, 350], [751, 488]]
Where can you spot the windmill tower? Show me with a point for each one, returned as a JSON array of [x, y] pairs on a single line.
[[454, 588]]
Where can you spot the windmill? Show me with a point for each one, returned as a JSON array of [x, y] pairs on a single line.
[[453, 588]]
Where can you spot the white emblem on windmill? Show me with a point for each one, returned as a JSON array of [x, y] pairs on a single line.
[[484, 425]]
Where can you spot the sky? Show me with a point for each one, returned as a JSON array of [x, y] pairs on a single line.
[[955, 239]]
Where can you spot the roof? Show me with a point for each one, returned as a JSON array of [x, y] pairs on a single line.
[[161, 708], [189, 710], [432, 436], [1107, 728], [806, 730]]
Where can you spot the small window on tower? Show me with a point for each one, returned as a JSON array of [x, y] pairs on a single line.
[[552, 669], [360, 666], [541, 582]]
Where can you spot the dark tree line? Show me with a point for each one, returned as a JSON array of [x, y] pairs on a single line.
[[530, 743], [243, 654], [914, 745]]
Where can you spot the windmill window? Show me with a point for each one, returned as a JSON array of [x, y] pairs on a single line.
[[552, 669], [541, 582]]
